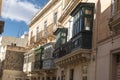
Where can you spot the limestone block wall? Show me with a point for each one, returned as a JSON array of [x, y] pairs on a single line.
[[13, 75], [13, 61]]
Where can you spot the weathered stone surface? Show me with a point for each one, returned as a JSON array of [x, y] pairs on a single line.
[[14, 60]]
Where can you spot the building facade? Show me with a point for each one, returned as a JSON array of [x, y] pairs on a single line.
[[74, 41], [40, 62], [12, 67], [108, 47], [12, 57], [87, 40]]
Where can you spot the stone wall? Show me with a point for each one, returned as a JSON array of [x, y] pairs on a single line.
[[13, 75], [14, 61]]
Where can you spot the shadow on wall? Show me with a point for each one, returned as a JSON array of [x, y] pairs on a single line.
[[101, 29]]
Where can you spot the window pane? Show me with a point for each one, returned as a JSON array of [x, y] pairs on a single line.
[[118, 59], [80, 24], [62, 75], [118, 5], [71, 74], [85, 69], [84, 78], [55, 18], [87, 23], [88, 11]]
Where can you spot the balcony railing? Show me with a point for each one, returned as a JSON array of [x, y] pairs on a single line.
[[39, 35], [42, 35], [82, 40], [50, 30], [32, 40]]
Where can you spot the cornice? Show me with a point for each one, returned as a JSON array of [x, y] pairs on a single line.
[[68, 10], [45, 9]]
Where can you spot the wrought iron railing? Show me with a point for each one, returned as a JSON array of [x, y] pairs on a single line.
[[32, 40]]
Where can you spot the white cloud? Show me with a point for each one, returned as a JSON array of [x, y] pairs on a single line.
[[18, 10]]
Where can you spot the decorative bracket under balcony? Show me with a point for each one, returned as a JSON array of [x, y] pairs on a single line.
[[81, 55]]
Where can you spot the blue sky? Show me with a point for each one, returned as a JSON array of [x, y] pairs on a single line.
[[17, 15]]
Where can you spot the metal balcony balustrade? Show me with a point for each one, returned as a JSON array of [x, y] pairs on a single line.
[[32, 40], [42, 36], [50, 30], [82, 40], [39, 35]]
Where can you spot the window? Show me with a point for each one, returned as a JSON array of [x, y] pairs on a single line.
[[31, 33], [25, 60], [118, 5], [87, 23], [48, 78], [37, 30], [84, 72], [55, 18], [62, 75], [61, 36], [83, 18], [118, 59], [45, 28], [43, 78], [13, 44], [71, 74], [115, 6], [18, 79], [53, 78]]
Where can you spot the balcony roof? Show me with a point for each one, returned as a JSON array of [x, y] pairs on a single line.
[[81, 5], [58, 30]]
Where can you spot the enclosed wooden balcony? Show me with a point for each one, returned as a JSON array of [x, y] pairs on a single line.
[[48, 61], [77, 49]]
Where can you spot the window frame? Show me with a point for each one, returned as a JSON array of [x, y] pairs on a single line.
[[55, 18], [71, 74]]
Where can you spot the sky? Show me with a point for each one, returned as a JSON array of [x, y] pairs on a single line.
[[17, 15]]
